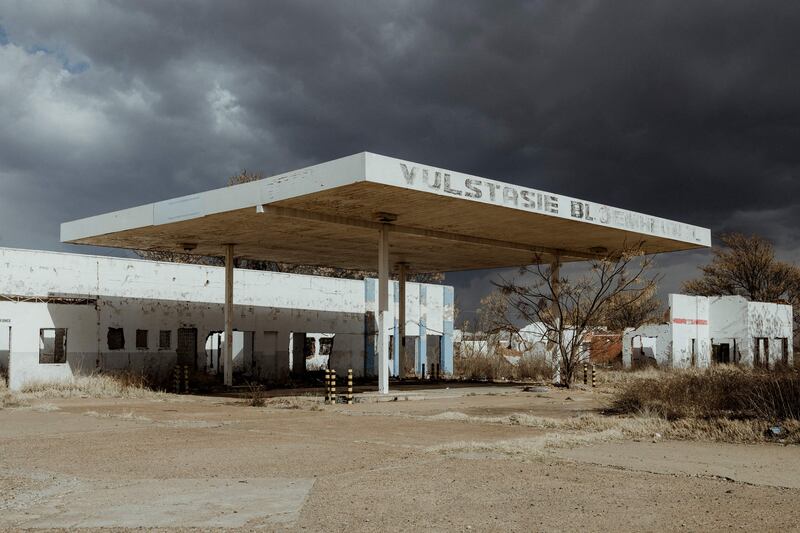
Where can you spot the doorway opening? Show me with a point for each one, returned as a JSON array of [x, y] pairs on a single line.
[[761, 352], [243, 361], [187, 347], [5, 352]]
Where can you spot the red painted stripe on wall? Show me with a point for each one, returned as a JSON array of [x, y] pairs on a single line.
[[690, 321]]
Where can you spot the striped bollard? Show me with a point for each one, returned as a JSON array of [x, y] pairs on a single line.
[[186, 379], [594, 377], [327, 386], [176, 377], [333, 386], [349, 386]]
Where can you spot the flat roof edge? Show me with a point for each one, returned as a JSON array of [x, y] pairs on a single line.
[[295, 183], [426, 178]]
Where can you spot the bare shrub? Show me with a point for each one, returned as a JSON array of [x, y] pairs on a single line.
[[255, 395], [481, 367], [496, 367], [720, 392], [533, 368]]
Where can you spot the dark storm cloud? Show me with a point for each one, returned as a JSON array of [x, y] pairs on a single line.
[[687, 110]]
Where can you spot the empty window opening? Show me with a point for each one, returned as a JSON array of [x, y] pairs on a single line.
[[141, 339], [52, 346], [310, 351], [164, 339], [721, 353], [116, 339]]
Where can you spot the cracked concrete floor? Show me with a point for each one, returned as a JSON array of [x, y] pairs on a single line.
[[209, 463]]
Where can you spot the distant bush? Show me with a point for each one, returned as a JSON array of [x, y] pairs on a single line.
[[496, 367], [719, 392]]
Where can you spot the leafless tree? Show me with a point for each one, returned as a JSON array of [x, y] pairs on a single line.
[[745, 265], [567, 307], [631, 310]]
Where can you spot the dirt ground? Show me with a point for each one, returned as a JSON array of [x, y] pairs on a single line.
[[452, 460]]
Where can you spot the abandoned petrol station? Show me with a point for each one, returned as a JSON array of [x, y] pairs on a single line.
[[365, 212]]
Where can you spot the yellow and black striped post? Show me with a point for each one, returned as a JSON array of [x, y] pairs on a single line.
[[327, 386], [594, 377], [333, 386], [176, 377], [349, 386], [186, 379], [585, 373]]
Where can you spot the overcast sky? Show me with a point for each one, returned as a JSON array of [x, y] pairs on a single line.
[[686, 110]]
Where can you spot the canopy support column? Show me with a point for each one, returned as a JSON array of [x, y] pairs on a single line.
[[402, 319], [555, 280], [228, 315], [383, 308]]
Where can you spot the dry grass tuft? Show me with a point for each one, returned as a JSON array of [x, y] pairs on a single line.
[[616, 378], [94, 386], [11, 401], [643, 425], [719, 392], [295, 402]]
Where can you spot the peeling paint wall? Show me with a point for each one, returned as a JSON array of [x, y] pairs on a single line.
[[152, 296]]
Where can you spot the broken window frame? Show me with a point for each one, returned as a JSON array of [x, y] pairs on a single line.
[[52, 356]]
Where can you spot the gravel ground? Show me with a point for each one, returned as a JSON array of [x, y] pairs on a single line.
[[188, 462]]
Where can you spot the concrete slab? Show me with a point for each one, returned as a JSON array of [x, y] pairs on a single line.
[[151, 503]]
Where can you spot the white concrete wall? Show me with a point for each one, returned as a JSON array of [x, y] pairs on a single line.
[[689, 316], [774, 322], [655, 341], [136, 294], [728, 325], [711, 321]]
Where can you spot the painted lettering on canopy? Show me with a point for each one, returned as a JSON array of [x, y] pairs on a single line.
[[460, 185], [510, 195]]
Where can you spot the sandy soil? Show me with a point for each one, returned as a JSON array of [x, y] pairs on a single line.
[[200, 462]]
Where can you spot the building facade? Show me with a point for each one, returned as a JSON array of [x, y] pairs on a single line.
[[67, 314], [706, 330]]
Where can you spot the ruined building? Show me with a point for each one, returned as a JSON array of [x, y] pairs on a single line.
[[706, 330], [66, 314]]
